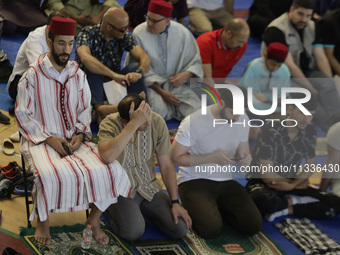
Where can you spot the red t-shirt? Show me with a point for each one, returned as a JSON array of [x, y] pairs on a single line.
[[213, 52]]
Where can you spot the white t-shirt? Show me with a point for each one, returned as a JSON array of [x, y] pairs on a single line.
[[33, 46], [198, 132], [206, 5]]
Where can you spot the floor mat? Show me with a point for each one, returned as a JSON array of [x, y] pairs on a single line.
[[67, 239], [232, 242], [9, 239], [159, 247]]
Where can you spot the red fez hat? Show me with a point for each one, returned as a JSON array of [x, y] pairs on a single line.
[[278, 50], [63, 26], [160, 7]]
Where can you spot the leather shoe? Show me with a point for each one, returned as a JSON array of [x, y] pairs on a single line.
[[4, 119]]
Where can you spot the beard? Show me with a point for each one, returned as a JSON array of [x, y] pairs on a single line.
[[57, 59]]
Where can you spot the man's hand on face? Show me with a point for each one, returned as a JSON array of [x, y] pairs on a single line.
[[57, 144], [141, 115]]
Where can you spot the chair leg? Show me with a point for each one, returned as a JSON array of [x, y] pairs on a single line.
[[27, 201]]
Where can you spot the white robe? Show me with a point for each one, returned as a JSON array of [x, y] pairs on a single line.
[[58, 104], [171, 52]]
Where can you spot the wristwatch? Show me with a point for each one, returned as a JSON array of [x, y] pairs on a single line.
[[172, 202], [138, 70]]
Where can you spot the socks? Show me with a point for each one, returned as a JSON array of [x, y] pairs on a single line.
[[271, 217], [302, 200]]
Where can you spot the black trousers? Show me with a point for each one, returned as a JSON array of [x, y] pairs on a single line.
[[210, 202], [270, 200], [13, 87]]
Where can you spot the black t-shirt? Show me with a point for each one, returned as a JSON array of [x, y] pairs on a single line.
[[269, 9], [330, 32]]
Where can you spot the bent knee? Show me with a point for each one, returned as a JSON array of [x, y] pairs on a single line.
[[208, 229]]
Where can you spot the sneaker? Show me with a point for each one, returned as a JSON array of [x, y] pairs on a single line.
[[5, 70], [5, 186], [14, 174], [20, 189], [4, 119]]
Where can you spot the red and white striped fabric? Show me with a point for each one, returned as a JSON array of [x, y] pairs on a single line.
[[46, 106]]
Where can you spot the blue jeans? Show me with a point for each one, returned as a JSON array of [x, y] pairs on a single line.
[[96, 82]]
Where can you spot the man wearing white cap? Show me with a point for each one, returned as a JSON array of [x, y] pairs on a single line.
[[175, 58], [53, 112]]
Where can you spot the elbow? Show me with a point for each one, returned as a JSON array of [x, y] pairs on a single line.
[[103, 153], [174, 158]]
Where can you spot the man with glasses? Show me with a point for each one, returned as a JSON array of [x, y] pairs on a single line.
[[99, 52], [175, 58]]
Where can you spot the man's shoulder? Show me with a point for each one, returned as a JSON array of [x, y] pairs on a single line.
[[209, 36], [140, 29], [37, 33]]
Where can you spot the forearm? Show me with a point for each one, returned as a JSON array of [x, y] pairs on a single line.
[[95, 66], [170, 182], [323, 66], [192, 160], [156, 88], [301, 78], [144, 64], [110, 150], [69, 14], [335, 64]]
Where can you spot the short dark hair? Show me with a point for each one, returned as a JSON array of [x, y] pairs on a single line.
[[310, 105], [227, 96], [307, 4], [124, 105]]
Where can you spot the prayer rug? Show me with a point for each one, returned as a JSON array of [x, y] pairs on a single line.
[[231, 242], [159, 247], [12, 240], [308, 237], [67, 240]]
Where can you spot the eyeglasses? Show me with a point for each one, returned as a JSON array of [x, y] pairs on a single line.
[[155, 21], [122, 30]]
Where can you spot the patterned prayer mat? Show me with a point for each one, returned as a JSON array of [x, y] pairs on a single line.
[[12, 240], [231, 242], [67, 240], [159, 247]]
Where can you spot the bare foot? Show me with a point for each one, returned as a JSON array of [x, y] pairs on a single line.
[[99, 235], [42, 232], [142, 94]]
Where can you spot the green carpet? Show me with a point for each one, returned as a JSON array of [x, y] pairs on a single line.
[[67, 239], [231, 242]]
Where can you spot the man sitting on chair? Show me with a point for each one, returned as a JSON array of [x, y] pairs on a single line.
[[53, 112]]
